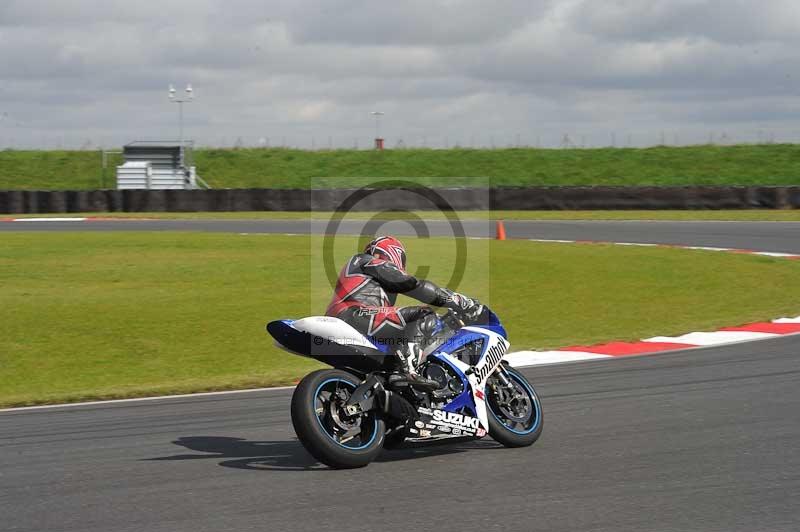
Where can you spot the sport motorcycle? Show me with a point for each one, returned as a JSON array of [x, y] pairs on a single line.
[[345, 416]]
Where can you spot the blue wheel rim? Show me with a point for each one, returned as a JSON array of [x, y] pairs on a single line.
[[537, 409], [327, 431]]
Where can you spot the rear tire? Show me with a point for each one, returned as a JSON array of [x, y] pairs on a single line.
[[504, 428], [320, 424]]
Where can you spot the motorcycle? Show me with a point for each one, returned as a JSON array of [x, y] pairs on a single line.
[[345, 416]]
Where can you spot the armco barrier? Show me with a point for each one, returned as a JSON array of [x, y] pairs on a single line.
[[510, 198]]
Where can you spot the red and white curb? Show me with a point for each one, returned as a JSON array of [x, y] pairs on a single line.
[[43, 219], [110, 402], [793, 256], [659, 344], [72, 219]]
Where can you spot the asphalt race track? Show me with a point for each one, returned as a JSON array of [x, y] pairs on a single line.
[[763, 236], [702, 440]]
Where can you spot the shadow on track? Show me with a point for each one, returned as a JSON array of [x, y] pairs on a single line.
[[239, 453]]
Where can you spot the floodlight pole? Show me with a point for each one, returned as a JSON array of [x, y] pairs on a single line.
[[189, 96], [180, 122]]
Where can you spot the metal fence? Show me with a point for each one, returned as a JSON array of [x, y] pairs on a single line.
[[511, 198], [564, 140]]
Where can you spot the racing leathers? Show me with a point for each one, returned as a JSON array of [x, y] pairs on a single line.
[[365, 296]]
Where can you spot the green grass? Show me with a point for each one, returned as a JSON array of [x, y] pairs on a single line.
[[755, 215], [284, 168], [102, 315]]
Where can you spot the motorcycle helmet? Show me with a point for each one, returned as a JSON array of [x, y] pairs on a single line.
[[389, 249]]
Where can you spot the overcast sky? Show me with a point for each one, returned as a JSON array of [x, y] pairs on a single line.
[[444, 72]]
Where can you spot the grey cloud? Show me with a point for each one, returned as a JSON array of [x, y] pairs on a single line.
[[86, 13], [735, 22], [447, 69], [411, 22]]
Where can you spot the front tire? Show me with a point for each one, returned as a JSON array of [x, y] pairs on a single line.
[[515, 414], [332, 437]]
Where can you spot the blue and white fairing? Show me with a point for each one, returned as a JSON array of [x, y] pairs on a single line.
[[493, 337]]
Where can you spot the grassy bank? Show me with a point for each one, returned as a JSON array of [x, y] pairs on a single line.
[[102, 315], [285, 168]]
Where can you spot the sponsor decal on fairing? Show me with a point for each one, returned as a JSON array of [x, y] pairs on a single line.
[[453, 419], [446, 423], [494, 356]]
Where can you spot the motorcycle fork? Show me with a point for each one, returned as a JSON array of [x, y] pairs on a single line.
[[501, 374], [508, 388]]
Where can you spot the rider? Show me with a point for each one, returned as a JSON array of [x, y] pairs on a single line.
[[365, 296]]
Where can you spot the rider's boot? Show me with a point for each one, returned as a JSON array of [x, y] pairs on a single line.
[[410, 357]]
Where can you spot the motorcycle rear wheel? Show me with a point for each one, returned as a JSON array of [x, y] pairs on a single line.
[[323, 428]]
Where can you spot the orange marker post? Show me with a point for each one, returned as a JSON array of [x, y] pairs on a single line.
[[501, 230]]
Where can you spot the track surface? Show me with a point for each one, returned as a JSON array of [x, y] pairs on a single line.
[[696, 440], [764, 236], [687, 441]]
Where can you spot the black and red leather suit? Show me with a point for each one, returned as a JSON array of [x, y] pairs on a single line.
[[365, 296]]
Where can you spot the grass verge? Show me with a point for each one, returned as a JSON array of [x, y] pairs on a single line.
[[776, 164], [107, 315]]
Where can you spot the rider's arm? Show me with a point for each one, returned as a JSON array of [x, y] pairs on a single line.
[[429, 293], [389, 276], [394, 280]]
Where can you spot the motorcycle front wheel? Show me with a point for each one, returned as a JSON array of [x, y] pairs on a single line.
[[325, 430], [515, 412]]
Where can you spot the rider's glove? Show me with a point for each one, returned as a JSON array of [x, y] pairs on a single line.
[[461, 303], [474, 312]]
